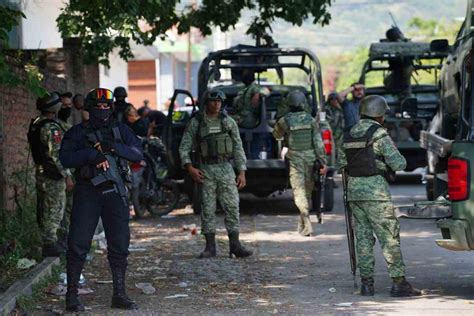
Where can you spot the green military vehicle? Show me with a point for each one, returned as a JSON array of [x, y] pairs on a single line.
[[280, 70], [406, 73], [449, 141]]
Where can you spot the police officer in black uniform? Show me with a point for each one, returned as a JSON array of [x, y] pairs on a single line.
[[92, 148], [120, 104]]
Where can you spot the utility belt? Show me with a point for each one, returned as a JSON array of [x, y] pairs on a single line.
[[214, 160]]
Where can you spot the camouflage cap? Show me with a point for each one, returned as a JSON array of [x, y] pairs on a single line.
[[373, 106]]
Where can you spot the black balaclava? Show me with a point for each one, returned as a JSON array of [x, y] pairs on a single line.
[[99, 117]]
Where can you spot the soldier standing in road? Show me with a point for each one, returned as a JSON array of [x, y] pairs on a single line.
[[351, 108], [306, 154], [44, 136], [216, 138], [335, 117], [371, 155], [92, 148]]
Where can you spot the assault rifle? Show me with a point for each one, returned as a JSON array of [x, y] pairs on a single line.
[[112, 175], [349, 229]]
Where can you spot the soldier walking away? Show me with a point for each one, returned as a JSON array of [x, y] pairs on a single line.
[[371, 158], [99, 150], [120, 105], [216, 137], [306, 154], [351, 108], [44, 137]]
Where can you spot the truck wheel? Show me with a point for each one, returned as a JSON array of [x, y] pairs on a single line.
[[316, 199], [197, 199], [328, 203]]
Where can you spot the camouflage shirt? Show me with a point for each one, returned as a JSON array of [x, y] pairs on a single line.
[[245, 113], [51, 135], [281, 130], [335, 117], [374, 188], [189, 142]]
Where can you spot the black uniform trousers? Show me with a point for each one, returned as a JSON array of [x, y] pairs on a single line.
[[90, 203]]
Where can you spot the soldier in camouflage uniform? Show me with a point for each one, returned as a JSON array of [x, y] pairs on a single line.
[[247, 102], [302, 136], [371, 155], [45, 137], [63, 120], [216, 139], [335, 117]]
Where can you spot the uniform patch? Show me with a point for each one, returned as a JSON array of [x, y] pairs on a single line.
[[57, 137]]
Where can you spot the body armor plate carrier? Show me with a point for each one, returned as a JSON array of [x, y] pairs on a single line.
[[215, 143], [361, 159], [301, 132]]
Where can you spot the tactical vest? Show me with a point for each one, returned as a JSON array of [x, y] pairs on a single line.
[[361, 159], [300, 131], [214, 140]]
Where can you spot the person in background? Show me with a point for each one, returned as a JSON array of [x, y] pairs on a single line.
[[138, 124], [120, 104], [77, 109], [351, 108]]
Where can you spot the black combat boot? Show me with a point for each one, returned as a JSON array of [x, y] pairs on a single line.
[[401, 288], [236, 248], [119, 298], [73, 275], [367, 287], [210, 250]]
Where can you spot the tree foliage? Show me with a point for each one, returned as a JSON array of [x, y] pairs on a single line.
[[104, 25]]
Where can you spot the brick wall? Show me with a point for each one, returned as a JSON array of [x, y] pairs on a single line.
[[17, 108]]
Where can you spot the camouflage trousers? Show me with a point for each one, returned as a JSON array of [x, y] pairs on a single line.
[[302, 183], [219, 184], [377, 217], [51, 202]]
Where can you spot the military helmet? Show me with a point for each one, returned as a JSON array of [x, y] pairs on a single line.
[[99, 95], [373, 106], [51, 102], [216, 94], [120, 92], [296, 100]]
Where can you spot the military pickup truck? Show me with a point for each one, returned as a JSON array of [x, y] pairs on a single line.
[[449, 142], [279, 70], [406, 73]]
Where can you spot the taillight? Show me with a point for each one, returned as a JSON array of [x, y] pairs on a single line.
[[327, 141], [458, 179]]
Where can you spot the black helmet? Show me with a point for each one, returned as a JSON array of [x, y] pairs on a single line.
[[296, 100], [216, 94], [120, 92], [99, 95], [51, 102]]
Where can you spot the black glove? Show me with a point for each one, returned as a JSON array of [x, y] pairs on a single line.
[[99, 158], [106, 146]]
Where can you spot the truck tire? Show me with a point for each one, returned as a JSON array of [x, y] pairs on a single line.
[[328, 203], [316, 199]]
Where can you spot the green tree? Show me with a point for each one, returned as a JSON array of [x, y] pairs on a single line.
[[427, 29], [104, 25]]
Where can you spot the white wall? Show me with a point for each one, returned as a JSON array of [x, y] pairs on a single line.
[[166, 79], [38, 30], [116, 75]]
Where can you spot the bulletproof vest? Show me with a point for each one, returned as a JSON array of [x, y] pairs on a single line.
[[360, 154], [214, 138], [39, 151], [300, 127]]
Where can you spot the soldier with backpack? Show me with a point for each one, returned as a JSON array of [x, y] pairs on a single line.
[[44, 136]]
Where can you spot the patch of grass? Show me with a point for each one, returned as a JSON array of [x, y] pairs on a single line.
[[26, 303]]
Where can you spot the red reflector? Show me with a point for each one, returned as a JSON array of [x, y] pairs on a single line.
[[135, 166], [458, 179], [327, 140]]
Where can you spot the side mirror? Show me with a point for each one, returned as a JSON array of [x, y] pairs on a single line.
[[409, 108], [439, 45]]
